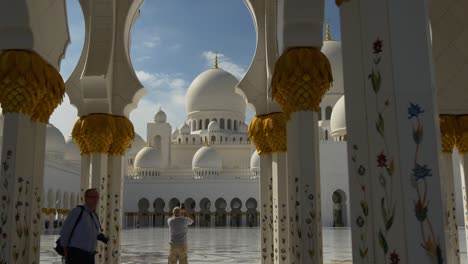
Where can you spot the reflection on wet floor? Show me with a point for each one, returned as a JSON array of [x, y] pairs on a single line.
[[210, 245]]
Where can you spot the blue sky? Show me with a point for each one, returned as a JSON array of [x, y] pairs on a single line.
[[172, 42]]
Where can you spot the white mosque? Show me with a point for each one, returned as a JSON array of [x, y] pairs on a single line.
[[208, 163]]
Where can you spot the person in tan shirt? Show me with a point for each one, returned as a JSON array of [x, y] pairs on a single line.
[[178, 227]]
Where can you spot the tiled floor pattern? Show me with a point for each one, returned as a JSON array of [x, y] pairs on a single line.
[[223, 245]]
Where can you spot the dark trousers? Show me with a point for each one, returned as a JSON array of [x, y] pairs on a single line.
[[79, 256]]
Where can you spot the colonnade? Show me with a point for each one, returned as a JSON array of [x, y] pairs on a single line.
[[396, 185]]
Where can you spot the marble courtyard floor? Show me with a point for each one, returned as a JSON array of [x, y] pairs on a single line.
[[210, 245]]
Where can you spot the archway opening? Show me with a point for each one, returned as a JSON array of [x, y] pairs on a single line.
[[221, 215]]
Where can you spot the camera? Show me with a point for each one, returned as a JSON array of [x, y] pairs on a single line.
[[103, 238]]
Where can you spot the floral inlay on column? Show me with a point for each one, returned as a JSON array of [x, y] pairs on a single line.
[[5, 204], [362, 219], [384, 160], [419, 181]]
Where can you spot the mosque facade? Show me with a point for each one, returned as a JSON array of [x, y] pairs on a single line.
[[208, 163]]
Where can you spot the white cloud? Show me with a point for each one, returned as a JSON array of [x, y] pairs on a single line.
[[225, 63], [152, 42], [164, 90]]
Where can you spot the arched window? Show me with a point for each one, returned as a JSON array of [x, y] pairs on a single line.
[[229, 124], [207, 122], [200, 124], [157, 141], [326, 134], [221, 123], [235, 125], [180, 140], [320, 114], [214, 119], [193, 141], [186, 140], [328, 112], [213, 139], [221, 139], [194, 125], [240, 140], [233, 139]]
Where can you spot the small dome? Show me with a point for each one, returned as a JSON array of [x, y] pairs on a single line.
[[213, 126], [175, 134], [207, 158], [72, 152], [338, 119], [243, 128], [184, 129], [148, 158], [214, 90], [160, 116], [137, 144], [332, 49], [255, 162], [55, 142]]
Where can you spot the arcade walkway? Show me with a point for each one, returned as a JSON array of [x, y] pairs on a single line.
[[221, 246]]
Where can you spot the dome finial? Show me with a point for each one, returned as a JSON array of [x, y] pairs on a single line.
[[216, 66], [328, 32]]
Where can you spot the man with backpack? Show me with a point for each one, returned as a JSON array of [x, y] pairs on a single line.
[[81, 230]]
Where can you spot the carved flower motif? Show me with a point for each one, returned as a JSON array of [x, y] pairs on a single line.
[[378, 45], [360, 221], [382, 160], [414, 110], [421, 172], [394, 258]]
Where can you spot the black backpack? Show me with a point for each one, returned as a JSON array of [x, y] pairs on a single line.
[[58, 246]]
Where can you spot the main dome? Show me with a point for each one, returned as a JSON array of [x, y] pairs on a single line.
[[214, 90], [338, 119]]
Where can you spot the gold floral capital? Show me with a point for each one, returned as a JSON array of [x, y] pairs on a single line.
[[268, 133], [462, 143], [454, 133], [301, 77], [448, 132], [103, 133], [29, 85]]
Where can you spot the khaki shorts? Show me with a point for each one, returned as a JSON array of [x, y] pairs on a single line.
[[177, 252]]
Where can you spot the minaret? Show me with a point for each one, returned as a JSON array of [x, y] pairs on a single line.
[[328, 33], [216, 66]]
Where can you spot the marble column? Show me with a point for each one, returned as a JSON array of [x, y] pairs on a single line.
[[393, 139], [462, 146], [114, 217], [451, 228], [266, 211], [304, 167], [99, 180], [280, 208], [85, 182], [37, 192], [23, 150], [464, 180]]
